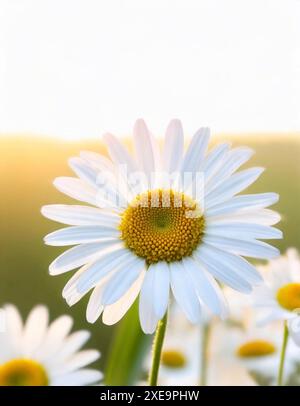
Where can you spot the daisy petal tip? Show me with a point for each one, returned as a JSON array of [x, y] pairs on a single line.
[[46, 241], [140, 128], [51, 270], [204, 131], [97, 356], [276, 197], [250, 152], [68, 302], [140, 122], [276, 253], [73, 161], [260, 169], [58, 182], [175, 123], [91, 319], [148, 330], [43, 210], [107, 321], [280, 234], [107, 137]]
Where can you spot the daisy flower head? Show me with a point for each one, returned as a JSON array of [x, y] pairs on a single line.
[[252, 354], [164, 219], [37, 353], [279, 297]]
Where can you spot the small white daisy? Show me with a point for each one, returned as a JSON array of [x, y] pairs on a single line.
[[183, 234], [252, 354], [40, 354], [279, 298]]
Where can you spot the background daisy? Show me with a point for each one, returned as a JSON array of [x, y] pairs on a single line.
[[279, 298], [39, 353]]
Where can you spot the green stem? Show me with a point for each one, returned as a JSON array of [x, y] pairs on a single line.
[[156, 349], [205, 330], [282, 355]]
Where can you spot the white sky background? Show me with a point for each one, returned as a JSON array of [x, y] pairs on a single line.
[[78, 68]]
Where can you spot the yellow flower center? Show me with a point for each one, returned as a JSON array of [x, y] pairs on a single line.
[[288, 296], [23, 372], [256, 348], [162, 225], [173, 359]]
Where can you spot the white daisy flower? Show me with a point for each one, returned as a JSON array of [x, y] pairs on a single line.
[[279, 298], [180, 358], [183, 234], [39, 354], [252, 355]]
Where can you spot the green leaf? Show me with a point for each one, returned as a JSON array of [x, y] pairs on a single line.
[[128, 350]]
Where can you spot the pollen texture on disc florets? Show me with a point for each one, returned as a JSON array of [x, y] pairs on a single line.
[[162, 225]]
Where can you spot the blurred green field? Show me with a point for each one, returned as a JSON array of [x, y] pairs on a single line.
[[28, 166]]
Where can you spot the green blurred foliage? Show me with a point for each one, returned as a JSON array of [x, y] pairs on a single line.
[[27, 168]]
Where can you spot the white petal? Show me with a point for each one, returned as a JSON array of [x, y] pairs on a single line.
[[244, 202], [95, 307], [232, 263], [268, 317], [126, 168], [14, 331], [57, 332], [84, 171], [161, 287], [78, 256], [173, 147], [98, 161], [254, 249], [78, 378], [208, 290], [108, 193], [235, 184], [74, 215], [77, 189], [148, 317], [77, 361], [118, 153], [71, 345], [70, 293], [194, 156], [144, 148], [242, 231], [121, 281], [80, 234], [113, 313], [35, 329], [191, 179], [260, 216], [214, 160], [223, 274], [294, 329], [96, 271], [184, 292], [234, 159]]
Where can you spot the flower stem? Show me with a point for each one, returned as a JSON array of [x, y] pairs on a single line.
[[156, 349], [205, 333], [282, 355]]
